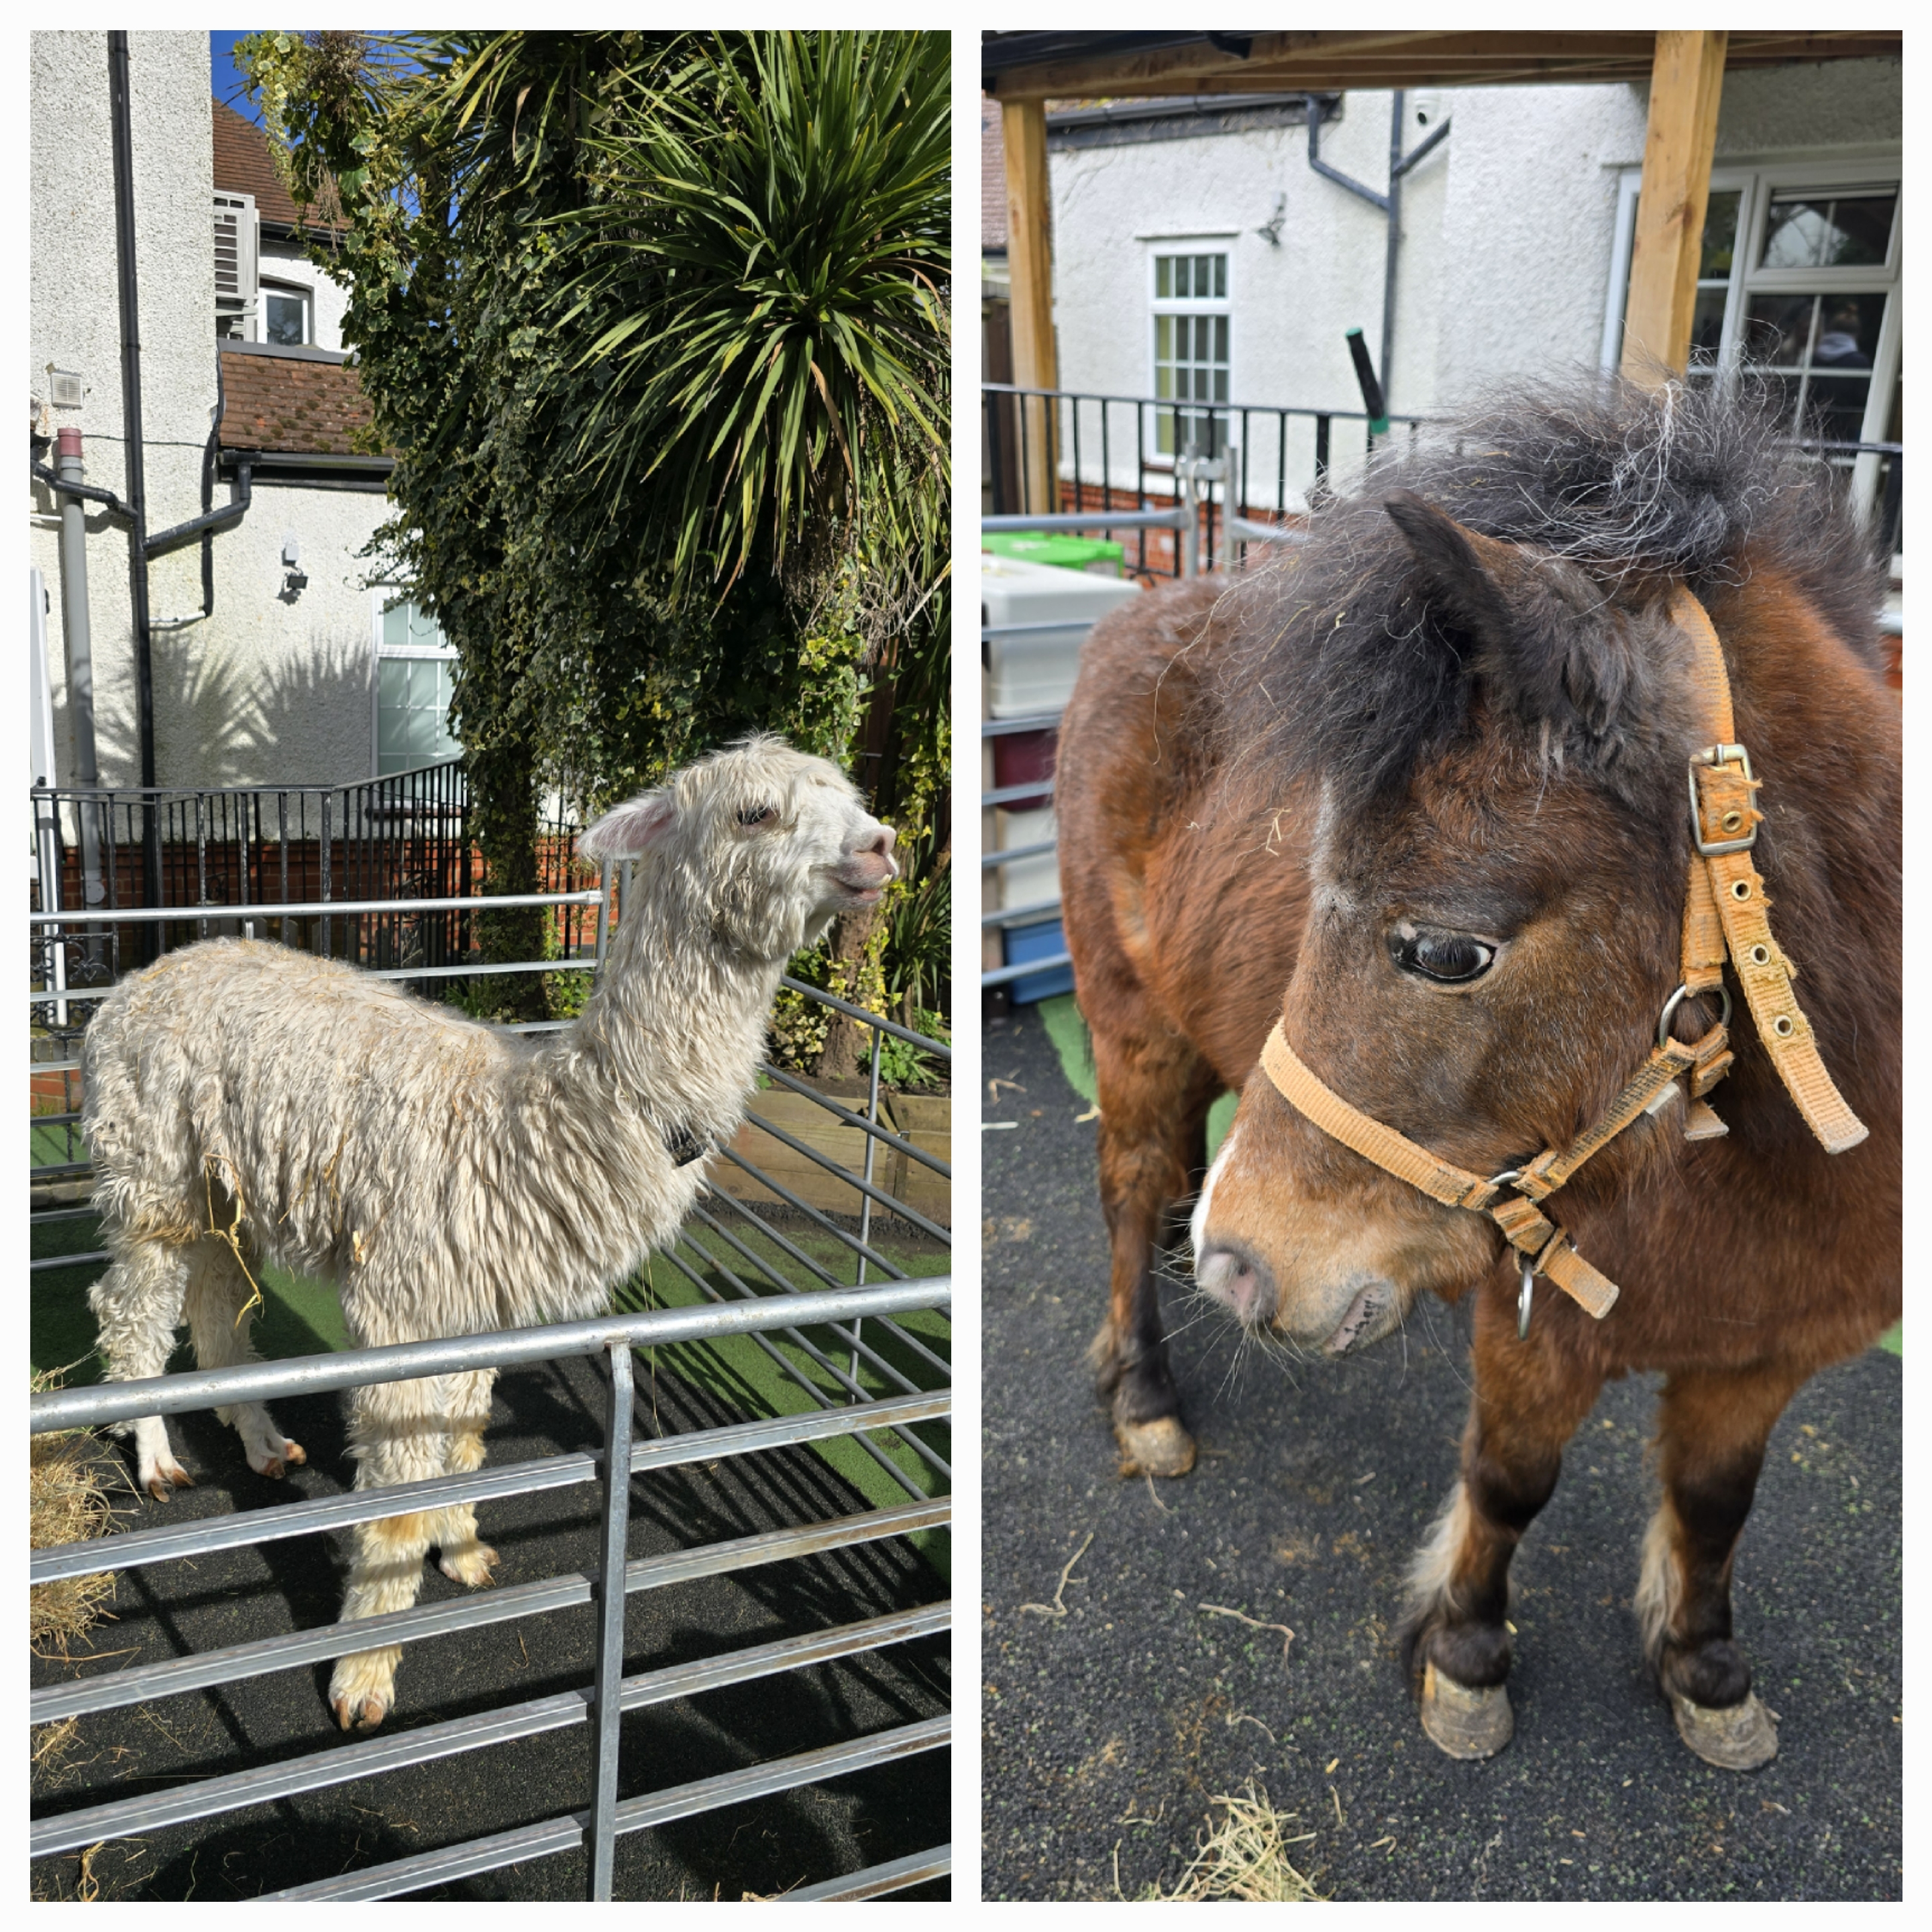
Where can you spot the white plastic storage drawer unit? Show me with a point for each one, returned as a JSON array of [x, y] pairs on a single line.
[[1031, 672]]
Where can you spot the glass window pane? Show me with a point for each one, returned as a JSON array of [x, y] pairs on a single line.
[[1220, 338], [1720, 233], [1163, 338], [1707, 326], [1220, 278], [1834, 407], [1822, 231], [285, 319], [396, 626], [1778, 328], [1163, 277]]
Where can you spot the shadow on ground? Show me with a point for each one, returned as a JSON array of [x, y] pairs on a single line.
[[769, 1846], [1108, 1732]]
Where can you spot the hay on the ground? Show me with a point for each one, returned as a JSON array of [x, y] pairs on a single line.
[[67, 1503], [1245, 1856]]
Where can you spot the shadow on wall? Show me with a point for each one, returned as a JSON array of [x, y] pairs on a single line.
[[243, 712]]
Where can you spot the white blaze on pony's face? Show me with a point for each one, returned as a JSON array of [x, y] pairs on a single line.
[[766, 845]]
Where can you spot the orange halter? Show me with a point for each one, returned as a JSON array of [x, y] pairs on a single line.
[[1724, 910]]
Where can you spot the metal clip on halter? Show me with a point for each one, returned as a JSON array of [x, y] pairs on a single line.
[[1712, 756], [1526, 1294]]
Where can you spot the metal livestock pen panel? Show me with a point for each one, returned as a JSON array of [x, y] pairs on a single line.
[[611, 1694], [810, 1296]]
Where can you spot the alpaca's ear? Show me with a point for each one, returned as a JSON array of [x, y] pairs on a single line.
[[629, 830]]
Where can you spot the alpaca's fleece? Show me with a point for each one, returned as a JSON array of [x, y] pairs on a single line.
[[448, 1177]]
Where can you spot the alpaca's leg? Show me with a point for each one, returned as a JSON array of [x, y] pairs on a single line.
[[137, 1303], [220, 1318], [462, 1558], [396, 1433]]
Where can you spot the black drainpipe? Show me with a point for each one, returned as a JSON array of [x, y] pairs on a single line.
[[136, 476]]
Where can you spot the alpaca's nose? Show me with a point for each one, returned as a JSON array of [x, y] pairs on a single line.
[[880, 847]]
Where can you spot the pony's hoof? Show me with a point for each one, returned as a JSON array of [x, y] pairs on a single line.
[[1466, 1720], [473, 1564], [1742, 1737], [1161, 1447]]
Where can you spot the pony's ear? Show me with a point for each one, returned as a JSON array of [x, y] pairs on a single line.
[[1470, 575], [628, 831], [1548, 643]]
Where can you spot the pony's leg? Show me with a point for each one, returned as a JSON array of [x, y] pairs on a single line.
[[460, 1555], [220, 1317], [398, 1434], [137, 1303], [1155, 1093], [1712, 1425], [1527, 1406]]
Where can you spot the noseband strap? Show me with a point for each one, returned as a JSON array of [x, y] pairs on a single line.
[[1724, 910]]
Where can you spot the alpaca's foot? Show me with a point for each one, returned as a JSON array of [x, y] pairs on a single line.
[[471, 1563], [156, 1469], [363, 1689], [270, 1453]]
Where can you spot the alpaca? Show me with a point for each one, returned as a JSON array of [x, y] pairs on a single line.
[[245, 1102]]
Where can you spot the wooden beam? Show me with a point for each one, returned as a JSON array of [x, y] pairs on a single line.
[[1029, 263], [1685, 85], [1330, 63]]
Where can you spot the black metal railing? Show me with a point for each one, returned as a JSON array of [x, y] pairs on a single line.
[[1254, 470]]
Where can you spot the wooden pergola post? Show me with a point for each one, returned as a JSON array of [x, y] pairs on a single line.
[[1029, 263], [1686, 79]]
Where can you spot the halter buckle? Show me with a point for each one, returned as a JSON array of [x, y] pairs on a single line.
[[1525, 1294], [1711, 757], [1683, 993]]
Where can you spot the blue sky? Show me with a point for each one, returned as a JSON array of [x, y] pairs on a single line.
[[226, 82]]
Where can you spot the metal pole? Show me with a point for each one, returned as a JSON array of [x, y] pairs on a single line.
[[607, 1712], [865, 1200], [1394, 243], [603, 914], [136, 482]]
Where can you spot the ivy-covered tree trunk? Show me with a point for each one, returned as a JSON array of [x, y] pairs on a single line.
[[503, 816]]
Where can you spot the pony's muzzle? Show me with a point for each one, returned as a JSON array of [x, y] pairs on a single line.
[[1241, 1281]]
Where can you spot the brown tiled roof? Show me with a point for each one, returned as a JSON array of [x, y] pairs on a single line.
[[292, 404], [243, 166], [992, 176]]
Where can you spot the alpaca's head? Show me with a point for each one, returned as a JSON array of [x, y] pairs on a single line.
[[766, 845]]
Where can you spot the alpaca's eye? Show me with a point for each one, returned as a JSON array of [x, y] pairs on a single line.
[[1449, 958], [755, 814]]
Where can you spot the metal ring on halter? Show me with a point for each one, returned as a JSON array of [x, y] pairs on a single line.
[[1523, 1296], [1677, 999]]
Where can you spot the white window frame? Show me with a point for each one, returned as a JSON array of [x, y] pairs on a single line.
[[1216, 243], [247, 262], [383, 598], [267, 286], [1758, 187]]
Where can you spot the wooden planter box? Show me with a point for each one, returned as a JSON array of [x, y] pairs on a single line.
[[924, 1121]]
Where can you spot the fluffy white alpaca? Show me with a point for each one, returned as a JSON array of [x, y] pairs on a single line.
[[244, 1100]]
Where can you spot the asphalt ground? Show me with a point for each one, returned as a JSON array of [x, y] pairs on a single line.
[[769, 1846], [1108, 1732]]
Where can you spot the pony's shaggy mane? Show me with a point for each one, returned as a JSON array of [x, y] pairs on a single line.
[[1343, 663]]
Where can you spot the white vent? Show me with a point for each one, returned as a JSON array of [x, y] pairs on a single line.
[[69, 391], [235, 265]]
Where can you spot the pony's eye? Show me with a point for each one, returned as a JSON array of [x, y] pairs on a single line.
[[755, 814], [1448, 957]]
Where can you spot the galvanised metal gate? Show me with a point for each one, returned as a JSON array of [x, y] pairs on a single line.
[[809, 1295], [599, 1824]]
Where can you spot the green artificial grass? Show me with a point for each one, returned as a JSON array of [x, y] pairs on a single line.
[[302, 1317]]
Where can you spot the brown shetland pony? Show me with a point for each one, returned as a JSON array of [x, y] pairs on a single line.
[[1423, 800]]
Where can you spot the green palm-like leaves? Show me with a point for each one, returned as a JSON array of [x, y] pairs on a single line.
[[767, 264]]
